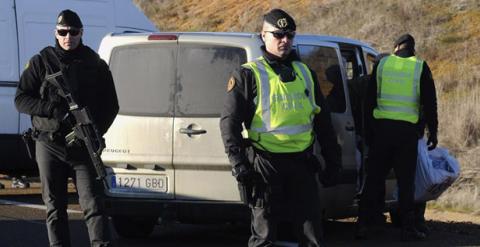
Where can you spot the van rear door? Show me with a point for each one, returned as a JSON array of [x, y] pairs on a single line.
[[139, 142], [202, 170]]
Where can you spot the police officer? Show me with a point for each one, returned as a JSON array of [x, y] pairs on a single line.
[[279, 101], [89, 80], [401, 88]]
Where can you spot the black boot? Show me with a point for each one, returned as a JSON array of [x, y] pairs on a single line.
[[420, 224], [361, 229], [409, 232], [412, 234], [422, 227]]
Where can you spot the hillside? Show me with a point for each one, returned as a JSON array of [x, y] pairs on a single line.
[[447, 34]]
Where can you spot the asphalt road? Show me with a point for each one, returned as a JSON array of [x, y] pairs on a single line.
[[23, 225]]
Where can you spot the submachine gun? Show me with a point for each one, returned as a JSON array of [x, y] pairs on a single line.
[[83, 128]]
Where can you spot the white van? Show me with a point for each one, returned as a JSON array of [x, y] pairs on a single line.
[[164, 149], [26, 26]]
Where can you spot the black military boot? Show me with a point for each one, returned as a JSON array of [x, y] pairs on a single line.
[[422, 227], [420, 223], [409, 232], [412, 234], [361, 228]]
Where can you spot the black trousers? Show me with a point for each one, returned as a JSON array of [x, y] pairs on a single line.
[[289, 192], [55, 168], [394, 146]]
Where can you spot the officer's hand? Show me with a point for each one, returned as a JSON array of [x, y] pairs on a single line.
[[59, 111], [314, 164], [432, 141], [329, 177], [245, 174]]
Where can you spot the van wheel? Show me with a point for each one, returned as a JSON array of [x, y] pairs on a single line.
[[134, 227]]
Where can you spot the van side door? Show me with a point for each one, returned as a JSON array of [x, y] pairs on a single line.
[[324, 58], [202, 170]]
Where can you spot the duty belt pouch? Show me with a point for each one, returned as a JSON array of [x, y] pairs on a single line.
[[27, 138]]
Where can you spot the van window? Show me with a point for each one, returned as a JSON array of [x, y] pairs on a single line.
[[352, 66], [325, 62], [203, 72], [370, 62], [144, 78]]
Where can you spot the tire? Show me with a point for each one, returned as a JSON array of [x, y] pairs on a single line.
[[134, 227]]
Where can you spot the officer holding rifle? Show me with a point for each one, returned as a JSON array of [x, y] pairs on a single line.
[[59, 87]]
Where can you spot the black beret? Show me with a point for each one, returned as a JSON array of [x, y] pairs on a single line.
[[280, 19], [69, 18], [405, 39]]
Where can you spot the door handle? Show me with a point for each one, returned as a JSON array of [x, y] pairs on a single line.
[[190, 132]]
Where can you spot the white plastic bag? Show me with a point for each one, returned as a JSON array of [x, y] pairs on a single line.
[[436, 171]]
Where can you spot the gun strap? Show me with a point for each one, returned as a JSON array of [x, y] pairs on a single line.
[[50, 76]]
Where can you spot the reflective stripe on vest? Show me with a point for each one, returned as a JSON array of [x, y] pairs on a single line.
[[263, 123], [398, 88]]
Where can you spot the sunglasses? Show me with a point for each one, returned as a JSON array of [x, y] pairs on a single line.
[[63, 32], [281, 34]]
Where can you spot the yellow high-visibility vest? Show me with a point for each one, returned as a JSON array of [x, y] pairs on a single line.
[[398, 88], [283, 119]]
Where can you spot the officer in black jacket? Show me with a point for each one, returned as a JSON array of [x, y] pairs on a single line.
[[284, 184], [393, 143], [89, 80]]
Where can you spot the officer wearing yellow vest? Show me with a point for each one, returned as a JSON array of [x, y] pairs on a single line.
[[278, 99], [400, 92]]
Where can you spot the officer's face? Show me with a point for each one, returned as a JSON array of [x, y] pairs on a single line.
[[277, 42], [68, 37]]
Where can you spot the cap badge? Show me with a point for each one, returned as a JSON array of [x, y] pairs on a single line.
[[282, 23]]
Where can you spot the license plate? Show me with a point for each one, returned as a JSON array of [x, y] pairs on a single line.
[[139, 183]]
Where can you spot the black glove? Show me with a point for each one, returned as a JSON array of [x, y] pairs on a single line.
[[329, 177], [432, 141], [245, 175], [59, 111]]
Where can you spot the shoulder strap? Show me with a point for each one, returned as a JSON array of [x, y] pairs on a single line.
[[50, 76]]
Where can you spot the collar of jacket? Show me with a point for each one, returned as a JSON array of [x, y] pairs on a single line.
[[405, 53], [68, 56], [271, 59]]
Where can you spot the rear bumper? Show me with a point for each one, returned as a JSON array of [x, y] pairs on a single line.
[[184, 211]]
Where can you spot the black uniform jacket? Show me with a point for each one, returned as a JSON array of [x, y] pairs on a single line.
[[428, 101], [239, 108], [85, 75]]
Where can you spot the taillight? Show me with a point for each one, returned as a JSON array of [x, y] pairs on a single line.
[[162, 37]]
